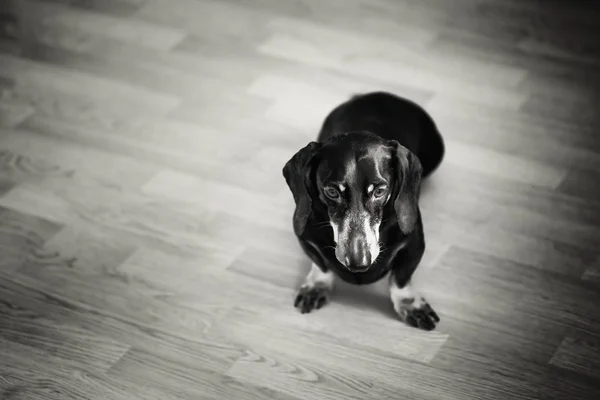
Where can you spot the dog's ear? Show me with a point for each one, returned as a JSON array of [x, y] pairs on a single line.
[[298, 172], [408, 175]]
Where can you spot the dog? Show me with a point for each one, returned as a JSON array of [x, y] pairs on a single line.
[[362, 177]]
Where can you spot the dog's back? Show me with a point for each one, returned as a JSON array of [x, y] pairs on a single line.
[[393, 118]]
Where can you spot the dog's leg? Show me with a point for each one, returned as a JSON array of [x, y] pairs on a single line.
[[412, 308], [315, 291]]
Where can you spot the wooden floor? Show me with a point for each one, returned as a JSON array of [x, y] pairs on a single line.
[[146, 242]]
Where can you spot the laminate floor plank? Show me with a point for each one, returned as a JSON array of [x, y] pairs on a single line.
[[574, 132], [541, 253], [592, 274], [504, 166], [245, 29], [581, 183], [363, 16], [584, 234], [81, 44], [174, 185], [23, 237], [121, 8], [126, 30], [529, 336], [54, 101], [577, 86], [577, 353], [109, 58], [485, 305], [548, 382], [453, 119], [185, 380], [185, 343], [71, 204], [181, 159], [13, 113], [500, 194], [25, 375], [5, 185], [27, 73], [146, 241], [80, 347], [28, 157]]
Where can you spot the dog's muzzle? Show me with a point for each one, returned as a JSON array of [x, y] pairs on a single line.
[[356, 245], [357, 257], [356, 253]]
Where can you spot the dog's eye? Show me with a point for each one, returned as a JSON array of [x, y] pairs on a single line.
[[380, 192], [332, 193]]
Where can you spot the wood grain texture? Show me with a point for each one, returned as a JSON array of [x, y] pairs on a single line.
[[592, 273], [13, 113], [23, 237], [146, 246], [577, 353]]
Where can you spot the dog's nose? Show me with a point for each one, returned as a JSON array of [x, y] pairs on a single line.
[[359, 257]]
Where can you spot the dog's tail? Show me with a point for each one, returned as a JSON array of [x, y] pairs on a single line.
[[432, 148]]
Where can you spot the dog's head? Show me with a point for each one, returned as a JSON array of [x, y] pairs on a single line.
[[359, 178]]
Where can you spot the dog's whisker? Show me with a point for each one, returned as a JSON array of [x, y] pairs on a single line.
[[382, 249]]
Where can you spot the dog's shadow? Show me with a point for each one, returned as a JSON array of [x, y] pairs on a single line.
[[374, 296]]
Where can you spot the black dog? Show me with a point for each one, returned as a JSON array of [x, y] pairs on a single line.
[[362, 177]]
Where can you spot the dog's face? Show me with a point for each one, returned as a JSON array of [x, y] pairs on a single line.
[[357, 177], [354, 180]]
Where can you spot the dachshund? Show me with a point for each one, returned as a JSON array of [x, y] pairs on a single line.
[[362, 177]]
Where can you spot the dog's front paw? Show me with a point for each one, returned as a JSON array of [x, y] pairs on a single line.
[[312, 298], [417, 313]]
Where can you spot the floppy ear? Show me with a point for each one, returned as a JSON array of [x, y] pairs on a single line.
[[297, 173], [408, 173]]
